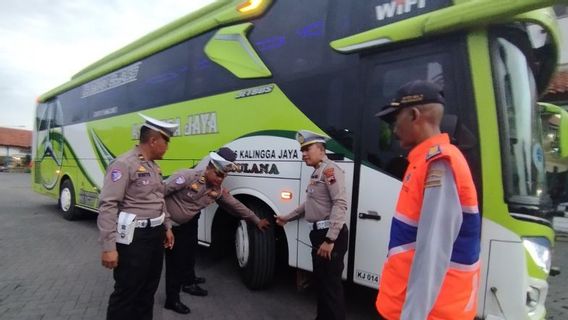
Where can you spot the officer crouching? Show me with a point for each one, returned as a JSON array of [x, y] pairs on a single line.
[[188, 191], [325, 209], [132, 224]]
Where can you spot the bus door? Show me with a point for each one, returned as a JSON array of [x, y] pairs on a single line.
[[382, 161]]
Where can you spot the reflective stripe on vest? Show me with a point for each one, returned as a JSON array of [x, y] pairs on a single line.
[[457, 297]]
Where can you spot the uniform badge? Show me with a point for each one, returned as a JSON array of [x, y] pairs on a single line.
[[145, 182], [115, 175], [180, 180], [434, 178], [141, 169], [194, 187], [214, 193], [433, 151], [202, 180], [329, 175]]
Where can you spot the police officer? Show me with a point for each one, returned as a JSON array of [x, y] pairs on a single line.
[[325, 209], [187, 192], [432, 269], [133, 188]]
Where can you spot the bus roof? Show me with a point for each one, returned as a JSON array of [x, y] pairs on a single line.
[[463, 14], [218, 13]]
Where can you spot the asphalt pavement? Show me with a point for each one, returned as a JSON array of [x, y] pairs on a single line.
[[50, 269]]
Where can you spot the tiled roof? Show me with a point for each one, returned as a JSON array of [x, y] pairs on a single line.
[[559, 83], [15, 137]]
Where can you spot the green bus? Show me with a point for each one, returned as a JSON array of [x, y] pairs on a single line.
[[249, 74]]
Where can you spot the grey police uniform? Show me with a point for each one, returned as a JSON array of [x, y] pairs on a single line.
[[325, 209], [326, 199], [186, 194], [134, 185]]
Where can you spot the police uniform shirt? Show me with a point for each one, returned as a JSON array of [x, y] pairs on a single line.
[[134, 185], [187, 193], [326, 198]]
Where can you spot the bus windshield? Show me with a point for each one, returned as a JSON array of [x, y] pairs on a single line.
[[519, 128]]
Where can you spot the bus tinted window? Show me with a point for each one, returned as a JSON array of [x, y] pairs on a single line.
[[291, 39], [177, 74], [330, 101], [386, 74]]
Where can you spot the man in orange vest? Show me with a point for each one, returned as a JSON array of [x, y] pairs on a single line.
[[432, 270]]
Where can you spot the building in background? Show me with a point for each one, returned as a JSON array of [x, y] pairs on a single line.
[[558, 89], [15, 148]]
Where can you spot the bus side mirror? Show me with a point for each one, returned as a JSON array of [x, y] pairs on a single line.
[[555, 121]]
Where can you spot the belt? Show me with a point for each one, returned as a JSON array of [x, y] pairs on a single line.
[[147, 223], [319, 225]]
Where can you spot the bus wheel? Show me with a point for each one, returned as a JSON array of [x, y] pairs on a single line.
[[67, 201], [255, 250]]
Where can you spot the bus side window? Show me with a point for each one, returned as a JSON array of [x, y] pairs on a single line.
[[380, 146]]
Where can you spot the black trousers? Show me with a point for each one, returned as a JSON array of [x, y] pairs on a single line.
[[327, 273], [180, 260], [137, 275]]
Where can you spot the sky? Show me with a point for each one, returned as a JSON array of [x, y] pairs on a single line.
[[45, 42]]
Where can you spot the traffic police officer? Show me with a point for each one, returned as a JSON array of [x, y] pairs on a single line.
[[325, 209], [187, 193], [432, 269], [133, 189]]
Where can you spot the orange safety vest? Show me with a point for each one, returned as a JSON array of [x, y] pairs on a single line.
[[458, 294]]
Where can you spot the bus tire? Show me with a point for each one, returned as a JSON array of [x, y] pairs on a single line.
[[66, 202], [256, 250]]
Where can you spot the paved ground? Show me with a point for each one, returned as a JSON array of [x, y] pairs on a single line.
[[50, 269], [557, 301]]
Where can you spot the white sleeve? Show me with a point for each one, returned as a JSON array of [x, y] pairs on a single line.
[[438, 228]]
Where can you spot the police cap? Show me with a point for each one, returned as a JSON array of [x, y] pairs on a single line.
[[413, 93], [223, 159], [306, 137], [165, 128]]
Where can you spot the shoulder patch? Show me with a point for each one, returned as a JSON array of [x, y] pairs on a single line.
[[115, 175], [433, 151], [180, 180], [329, 174]]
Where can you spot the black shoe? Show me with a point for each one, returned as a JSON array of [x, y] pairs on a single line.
[[194, 290], [199, 280], [178, 307]]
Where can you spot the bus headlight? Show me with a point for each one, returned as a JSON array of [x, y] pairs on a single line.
[[539, 250]]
